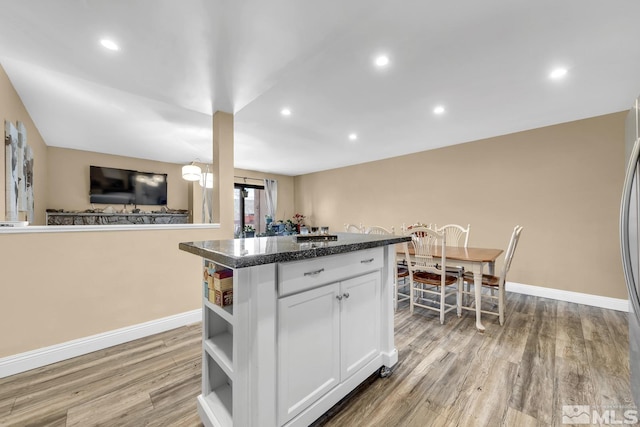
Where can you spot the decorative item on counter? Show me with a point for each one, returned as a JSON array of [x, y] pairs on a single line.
[[290, 227], [299, 220], [249, 231]]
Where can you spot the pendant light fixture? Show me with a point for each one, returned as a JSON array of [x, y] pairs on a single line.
[[191, 172]]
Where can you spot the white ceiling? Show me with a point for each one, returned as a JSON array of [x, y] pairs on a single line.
[[486, 61]]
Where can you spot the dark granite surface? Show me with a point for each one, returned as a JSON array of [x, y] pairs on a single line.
[[239, 253]]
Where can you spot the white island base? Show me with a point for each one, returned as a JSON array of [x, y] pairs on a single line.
[[298, 338]]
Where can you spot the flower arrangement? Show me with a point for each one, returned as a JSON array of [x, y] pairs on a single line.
[[299, 219], [249, 227]]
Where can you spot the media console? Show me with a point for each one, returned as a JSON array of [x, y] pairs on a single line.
[[100, 218]]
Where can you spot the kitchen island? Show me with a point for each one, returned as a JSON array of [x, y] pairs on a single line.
[[309, 322]]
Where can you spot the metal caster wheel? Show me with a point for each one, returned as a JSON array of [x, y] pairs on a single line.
[[384, 372]]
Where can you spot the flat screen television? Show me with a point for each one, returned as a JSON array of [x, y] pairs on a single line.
[[124, 186], [150, 188]]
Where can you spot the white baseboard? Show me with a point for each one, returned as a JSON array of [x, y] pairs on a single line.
[[569, 296], [22, 362]]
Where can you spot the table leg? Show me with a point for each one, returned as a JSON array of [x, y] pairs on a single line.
[[492, 271], [477, 284], [492, 268]]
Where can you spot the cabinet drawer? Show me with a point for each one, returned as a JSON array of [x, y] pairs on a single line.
[[298, 276]]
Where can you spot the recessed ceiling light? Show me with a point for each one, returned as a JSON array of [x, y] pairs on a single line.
[[353, 136], [109, 44], [438, 110], [285, 112], [558, 73], [382, 61]]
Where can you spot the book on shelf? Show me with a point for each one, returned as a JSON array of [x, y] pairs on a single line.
[[223, 273], [220, 289]]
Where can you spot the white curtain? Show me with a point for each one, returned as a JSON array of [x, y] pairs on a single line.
[[271, 192], [206, 182]]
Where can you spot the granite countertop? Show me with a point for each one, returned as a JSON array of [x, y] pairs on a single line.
[[240, 253]]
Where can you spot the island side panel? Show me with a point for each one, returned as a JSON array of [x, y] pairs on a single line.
[[254, 346], [388, 349]]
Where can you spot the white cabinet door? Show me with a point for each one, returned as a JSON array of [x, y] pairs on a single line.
[[360, 322], [308, 348]]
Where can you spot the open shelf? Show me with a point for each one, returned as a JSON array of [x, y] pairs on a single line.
[[225, 312], [217, 405], [220, 348]]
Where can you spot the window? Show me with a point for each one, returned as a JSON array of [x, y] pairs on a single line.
[[250, 207]]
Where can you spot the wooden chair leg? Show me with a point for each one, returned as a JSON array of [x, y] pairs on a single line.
[[501, 305], [460, 284], [442, 292], [411, 295]]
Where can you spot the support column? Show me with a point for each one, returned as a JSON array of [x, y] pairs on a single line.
[[223, 171]]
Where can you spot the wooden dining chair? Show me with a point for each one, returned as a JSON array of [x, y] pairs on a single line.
[[427, 275], [457, 236], [352, 228], [495, 282], [401, 273]]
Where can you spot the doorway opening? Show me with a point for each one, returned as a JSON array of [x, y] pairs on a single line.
[[250, 207]]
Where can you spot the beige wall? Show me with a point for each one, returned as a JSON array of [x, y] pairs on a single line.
[[68, 183], [12, 110], [58, 287], [285, 209], [562, 183]]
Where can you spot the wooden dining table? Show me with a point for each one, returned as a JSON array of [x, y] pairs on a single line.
[[472, 259]]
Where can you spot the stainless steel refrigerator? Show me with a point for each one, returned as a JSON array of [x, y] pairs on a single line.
[[630, 239]]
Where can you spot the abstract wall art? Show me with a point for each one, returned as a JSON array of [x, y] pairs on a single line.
[[19, 200]]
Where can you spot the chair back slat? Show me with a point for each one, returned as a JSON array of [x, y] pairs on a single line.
[[406, 229], [353, 228], [511, 249], [425, 241], [374, 229], [456, 234]]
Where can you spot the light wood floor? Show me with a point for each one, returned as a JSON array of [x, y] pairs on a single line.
[[549, 353]]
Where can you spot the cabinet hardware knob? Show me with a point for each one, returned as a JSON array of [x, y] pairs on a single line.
[[366, 261], [346, 295], [339, 297], [314, 273]]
